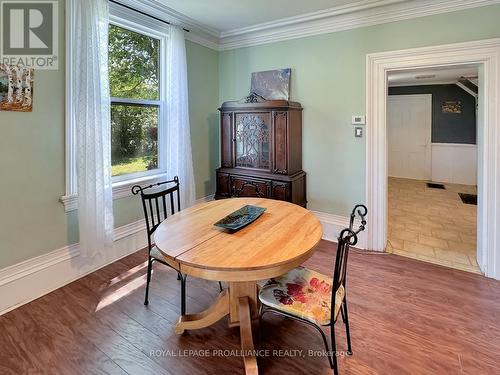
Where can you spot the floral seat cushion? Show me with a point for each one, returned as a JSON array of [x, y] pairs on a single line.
[[157, 254], [303, 293]]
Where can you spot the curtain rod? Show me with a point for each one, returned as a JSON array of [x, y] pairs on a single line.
[[143, 13]]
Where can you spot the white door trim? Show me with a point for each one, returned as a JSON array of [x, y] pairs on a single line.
[[428, 151], [485, 53]]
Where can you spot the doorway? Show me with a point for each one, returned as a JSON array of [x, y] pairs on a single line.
[[432, 165], [485, 54]]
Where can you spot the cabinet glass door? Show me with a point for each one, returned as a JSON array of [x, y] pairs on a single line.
[[252, 140]]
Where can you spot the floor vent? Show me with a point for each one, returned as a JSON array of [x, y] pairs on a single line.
[[468, 198], [435, 186]]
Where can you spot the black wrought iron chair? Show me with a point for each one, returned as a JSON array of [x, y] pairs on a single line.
[[308, 296], [157, 200]]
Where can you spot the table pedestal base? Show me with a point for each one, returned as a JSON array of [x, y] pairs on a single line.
[[218, 310], [246, 337], [240, 303]]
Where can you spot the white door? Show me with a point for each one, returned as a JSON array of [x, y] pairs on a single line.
[[409, 136]]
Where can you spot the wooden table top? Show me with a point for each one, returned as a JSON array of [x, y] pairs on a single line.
[[284, 234]]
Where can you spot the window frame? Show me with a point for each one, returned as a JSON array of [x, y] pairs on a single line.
[[134, 21], [126, 23]]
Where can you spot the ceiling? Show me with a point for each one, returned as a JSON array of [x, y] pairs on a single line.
[[440, 75], [228, 24], [225, 15]]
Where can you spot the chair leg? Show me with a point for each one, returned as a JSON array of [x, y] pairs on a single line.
[[347, 331], [220, 286], [325, 342], [183, 293], [261, 312], [148, 279], [333, 354], [342, 314]]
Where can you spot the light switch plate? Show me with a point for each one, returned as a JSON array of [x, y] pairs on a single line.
[[358, 120], [358, 132]]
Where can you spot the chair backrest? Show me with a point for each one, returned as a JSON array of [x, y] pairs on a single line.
[[157, 200], [348, 237]]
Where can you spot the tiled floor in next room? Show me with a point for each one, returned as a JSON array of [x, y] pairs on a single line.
[[432, 225]]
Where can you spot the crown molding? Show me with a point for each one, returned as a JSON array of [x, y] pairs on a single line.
[[312, 16], [198, 33], [358, 15], [351, 16]]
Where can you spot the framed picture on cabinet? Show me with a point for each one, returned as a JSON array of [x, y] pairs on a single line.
[[272, 84]]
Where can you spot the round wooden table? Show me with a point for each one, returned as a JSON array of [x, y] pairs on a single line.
[[281, 239]]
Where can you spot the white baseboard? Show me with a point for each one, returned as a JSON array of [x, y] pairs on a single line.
[[33, 278], [333, 225], [28, 280]]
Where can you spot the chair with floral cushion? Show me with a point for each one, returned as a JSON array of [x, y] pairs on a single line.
[[307, 295]]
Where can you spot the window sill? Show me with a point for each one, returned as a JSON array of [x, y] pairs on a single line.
[[120, 190]]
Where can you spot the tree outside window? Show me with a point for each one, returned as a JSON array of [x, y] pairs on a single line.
[[134, 78]]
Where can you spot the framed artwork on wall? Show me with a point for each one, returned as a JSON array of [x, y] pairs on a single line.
[[16, 88], [452, 107]]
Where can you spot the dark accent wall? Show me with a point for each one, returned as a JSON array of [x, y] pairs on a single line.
[[447, 127]]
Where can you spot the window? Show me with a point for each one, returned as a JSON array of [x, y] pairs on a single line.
[[137, 54], [136, 89], [134, 80]]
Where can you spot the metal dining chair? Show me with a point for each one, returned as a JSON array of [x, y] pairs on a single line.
[[308, 296], [157, 200]]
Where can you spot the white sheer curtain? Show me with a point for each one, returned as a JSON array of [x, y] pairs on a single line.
[[93, 125], [178, 149]]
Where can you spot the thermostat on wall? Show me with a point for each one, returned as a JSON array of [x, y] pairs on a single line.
[[358, 120]]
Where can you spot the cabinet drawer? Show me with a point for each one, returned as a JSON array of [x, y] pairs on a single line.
[[249, 187], [281, 191]]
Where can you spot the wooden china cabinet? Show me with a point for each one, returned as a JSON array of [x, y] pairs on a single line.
[[261, 150]]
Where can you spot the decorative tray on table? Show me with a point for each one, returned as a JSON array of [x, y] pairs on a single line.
[[240, 218]]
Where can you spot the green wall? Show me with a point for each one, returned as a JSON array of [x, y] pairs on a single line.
[[328, 78], [32, 153], [32, 221]]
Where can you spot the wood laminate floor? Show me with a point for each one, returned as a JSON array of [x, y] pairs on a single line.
[[407, 317]]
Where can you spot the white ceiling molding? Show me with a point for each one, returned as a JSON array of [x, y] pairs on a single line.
[[356, 15], [341, 18], [467, 90], [447, 82], [198, 33], [312, 16]]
